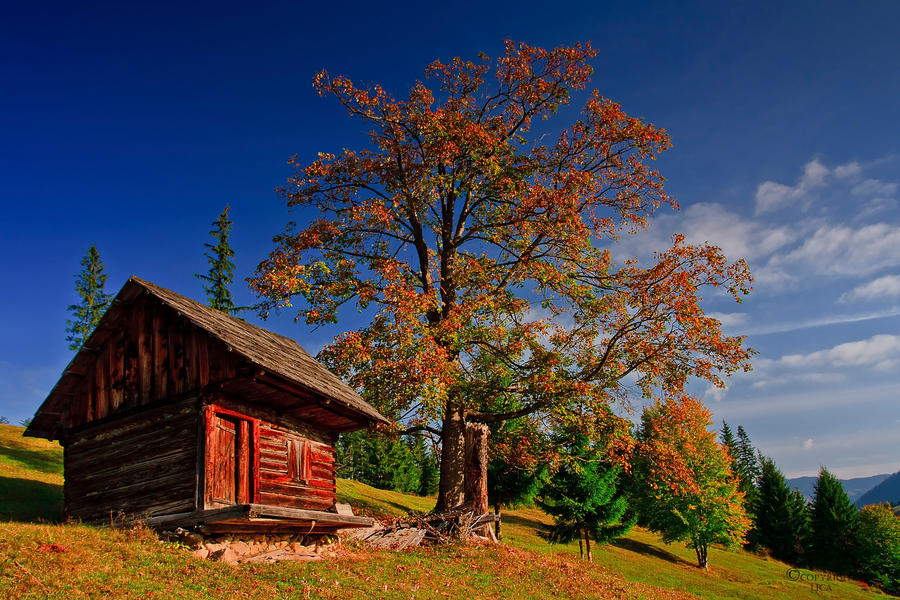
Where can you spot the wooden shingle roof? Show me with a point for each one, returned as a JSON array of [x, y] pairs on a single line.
[[272, 352], [269, 352]]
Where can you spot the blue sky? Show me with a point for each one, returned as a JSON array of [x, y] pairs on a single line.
[[133, 126]]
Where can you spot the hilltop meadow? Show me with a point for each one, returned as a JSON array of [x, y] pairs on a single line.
[[41, 557]]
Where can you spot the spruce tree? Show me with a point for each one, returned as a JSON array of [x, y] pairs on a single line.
[[833, 526], [728, 441], [749, 463], [94, 302], [584, 499], [745, 466], [221, 269], [428, 479], [781, 520]]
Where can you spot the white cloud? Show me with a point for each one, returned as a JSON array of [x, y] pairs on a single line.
[[771, 195], [874, 187], [883, 287], [851, 169], [709, 223], [716, 394], [842, 250], [875, 352], [808, 444], [823, 321], [787, 378], [876, 206]]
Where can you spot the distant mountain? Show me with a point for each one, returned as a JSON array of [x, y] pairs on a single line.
[[886, 491], [855, 487]]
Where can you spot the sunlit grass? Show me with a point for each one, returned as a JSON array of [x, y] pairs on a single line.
[[47, 560]]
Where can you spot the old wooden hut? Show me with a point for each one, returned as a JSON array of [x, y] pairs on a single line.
[[182, 415]]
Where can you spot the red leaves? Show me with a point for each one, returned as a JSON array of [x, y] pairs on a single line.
[[52, 548], [481, 257]]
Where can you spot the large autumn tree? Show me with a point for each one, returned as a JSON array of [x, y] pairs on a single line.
[[465, 226]]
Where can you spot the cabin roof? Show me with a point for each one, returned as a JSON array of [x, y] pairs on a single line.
[[272, 353]]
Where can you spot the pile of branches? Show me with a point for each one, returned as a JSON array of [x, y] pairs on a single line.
[[432, 529]]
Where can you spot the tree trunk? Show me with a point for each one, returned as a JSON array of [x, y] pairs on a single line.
[[701, 557], [580, 546], [451, 489], [497, 530], [476, 492], [587, 541]]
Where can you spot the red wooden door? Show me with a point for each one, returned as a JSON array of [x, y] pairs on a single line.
[[228, 465]]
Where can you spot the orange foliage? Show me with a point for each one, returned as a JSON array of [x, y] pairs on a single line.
[[461, 237]]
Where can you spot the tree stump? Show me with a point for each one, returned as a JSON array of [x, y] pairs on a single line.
[[475, 482]]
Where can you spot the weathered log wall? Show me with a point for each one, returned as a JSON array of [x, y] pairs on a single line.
[[141, 464]]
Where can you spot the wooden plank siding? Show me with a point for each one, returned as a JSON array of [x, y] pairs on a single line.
[[266, 461], [153, 354], [281, 483], [141, 464]]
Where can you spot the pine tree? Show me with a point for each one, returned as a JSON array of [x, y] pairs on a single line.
[[221, 269], [748, 463], [430, 474], [379, 461], [833, 526], [728, 441], [94, 302], [584, 499], [781, 519]]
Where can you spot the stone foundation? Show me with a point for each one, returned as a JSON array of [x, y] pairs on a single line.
[[248, 548]]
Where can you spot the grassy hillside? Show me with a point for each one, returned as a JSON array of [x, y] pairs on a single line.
[[41, 558]]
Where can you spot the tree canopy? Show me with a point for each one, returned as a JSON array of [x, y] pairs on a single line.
[[832, 540], [688, 489], [459, 232], [780, 516]]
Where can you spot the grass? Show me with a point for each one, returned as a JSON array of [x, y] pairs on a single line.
[[41, 558], [30, 477]]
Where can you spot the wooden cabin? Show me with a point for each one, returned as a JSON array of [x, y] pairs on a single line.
[[182, 415]]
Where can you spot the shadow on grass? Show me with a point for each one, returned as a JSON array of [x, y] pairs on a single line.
[[29, 500], [49, 460], [508, 519], [648, 550]]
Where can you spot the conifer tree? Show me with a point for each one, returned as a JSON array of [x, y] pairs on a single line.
[[585, 500], [746, 467], [748, 463], [94, 302], [428, 479], [728, 440], [221, 269], [379, 461], [833, 526], [781, 519]]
